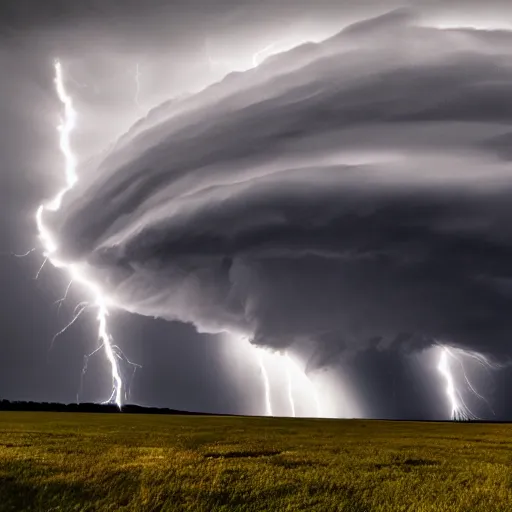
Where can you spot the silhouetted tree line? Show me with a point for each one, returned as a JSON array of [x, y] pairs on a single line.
[[7, 405]]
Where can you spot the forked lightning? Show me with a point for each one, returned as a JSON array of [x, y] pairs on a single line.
[[459, 410], [50, 244]]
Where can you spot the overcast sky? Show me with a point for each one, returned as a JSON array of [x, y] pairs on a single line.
[[347, 202]]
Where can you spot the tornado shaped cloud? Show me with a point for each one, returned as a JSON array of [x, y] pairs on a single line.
[[354, 192]]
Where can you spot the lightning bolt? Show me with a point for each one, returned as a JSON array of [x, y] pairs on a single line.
[[84, 371], [256, 57], [122, 356], [24, 255], [486, 363], [50, 246], [289, 366], [266, 382], [76, 316], [293, 364], [288, 362], [273, 49], [64, 297], [459, 410], [445, 368], [41, 268]]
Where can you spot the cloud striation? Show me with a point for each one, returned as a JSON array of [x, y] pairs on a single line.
[[354, 192]]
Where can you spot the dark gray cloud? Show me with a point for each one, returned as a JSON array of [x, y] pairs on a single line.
[[354, 192]]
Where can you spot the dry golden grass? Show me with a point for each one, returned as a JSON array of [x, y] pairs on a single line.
[[115, 462]]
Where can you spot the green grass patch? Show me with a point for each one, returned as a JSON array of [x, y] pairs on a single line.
[[115, 462]]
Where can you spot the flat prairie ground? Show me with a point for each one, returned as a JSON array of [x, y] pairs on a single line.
[[121, 462]]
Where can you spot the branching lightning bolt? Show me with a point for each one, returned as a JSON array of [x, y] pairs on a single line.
[[76, 316], [64, 297], [486, 363], [24, 255], [50, 246], [481, 360], [459, 410], [122, 357], [84, 371], [41, 267], [288, 364]]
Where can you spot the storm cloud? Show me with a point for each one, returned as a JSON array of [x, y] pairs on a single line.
[[353, 192]]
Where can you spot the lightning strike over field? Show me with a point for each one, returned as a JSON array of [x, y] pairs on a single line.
[[293, 364], [289, 383], [285, 360], [50, 245], [290, 367], [266, 382], [482, 360], [459, 410]]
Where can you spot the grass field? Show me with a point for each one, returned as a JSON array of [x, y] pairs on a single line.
[[61, 462]]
